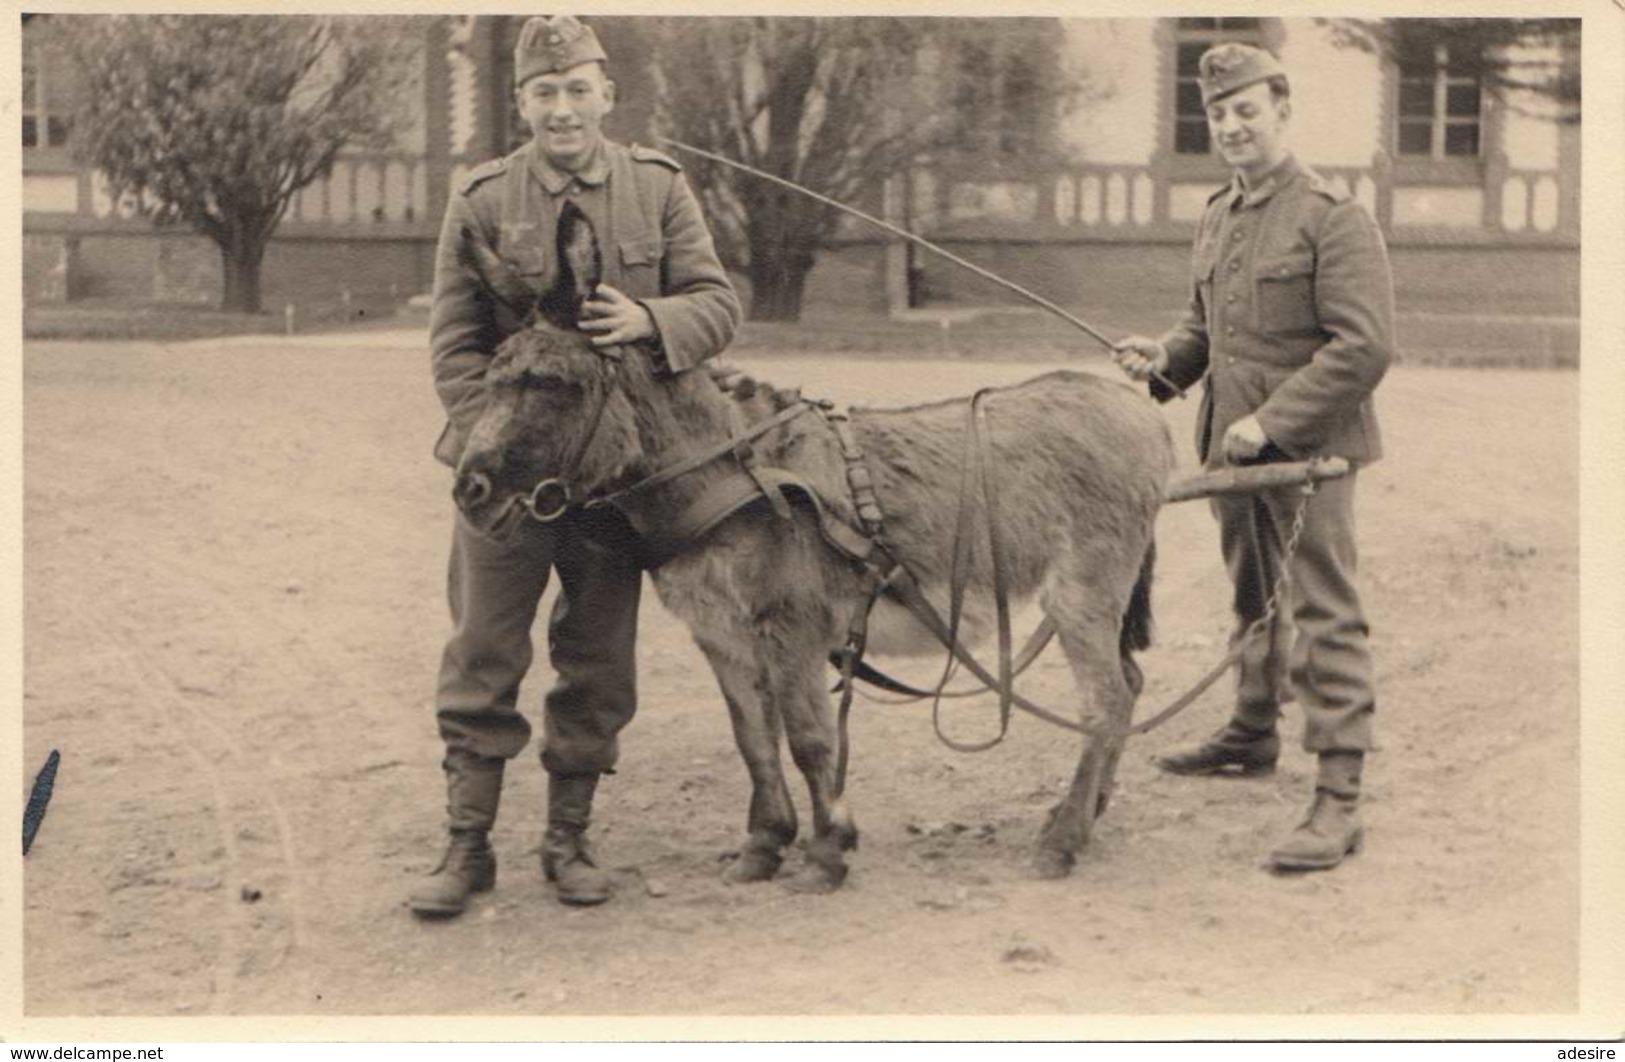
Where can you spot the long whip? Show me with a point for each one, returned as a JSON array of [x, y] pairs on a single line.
[[921, 241]]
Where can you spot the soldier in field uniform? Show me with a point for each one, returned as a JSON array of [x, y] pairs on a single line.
[[666, 295], [1291, 324]]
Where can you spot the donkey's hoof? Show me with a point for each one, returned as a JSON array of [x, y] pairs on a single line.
[[843, 830], [825, 869], [811, 883], [1052, 864], [753, 865]]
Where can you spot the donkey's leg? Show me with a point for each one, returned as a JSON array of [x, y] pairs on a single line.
[[771, 823], [809, 721], [1089, 638]]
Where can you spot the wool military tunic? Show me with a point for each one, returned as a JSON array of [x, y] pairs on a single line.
[[1290, 318], [654, 244], [655, 247]]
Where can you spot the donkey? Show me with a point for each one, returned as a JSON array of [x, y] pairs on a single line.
[[1081, 465]]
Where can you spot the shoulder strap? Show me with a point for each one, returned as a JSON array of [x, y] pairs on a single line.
[[1320, 185], [646, 154], [482, 173]]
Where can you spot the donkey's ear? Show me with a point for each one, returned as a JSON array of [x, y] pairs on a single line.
[[578, 251], [474, 254]]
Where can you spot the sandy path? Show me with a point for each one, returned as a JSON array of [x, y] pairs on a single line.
[[233, 613]]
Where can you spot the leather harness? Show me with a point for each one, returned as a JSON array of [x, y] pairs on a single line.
[[866, 546]]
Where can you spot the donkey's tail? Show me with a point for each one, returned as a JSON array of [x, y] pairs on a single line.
[[1137, 626]]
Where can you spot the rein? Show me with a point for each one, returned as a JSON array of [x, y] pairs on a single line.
[[738, 445], [1046, 631], [868, 546]]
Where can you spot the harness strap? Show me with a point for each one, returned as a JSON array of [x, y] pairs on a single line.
[[848, 541], [907, 590], [857, 473], [1001, 579], [974, 475], [739, 490], [715, 504], [956, 592], [851, 657], [705, 457], [1035, 645], [746, 456]]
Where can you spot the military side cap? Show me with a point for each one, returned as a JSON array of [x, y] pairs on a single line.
[[553, 45], [1227, 68]]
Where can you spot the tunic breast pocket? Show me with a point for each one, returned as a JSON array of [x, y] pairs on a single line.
[[1286, 294], [640, 265], [522, 248]]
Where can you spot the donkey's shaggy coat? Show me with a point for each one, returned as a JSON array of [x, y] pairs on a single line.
[[1080, 465]]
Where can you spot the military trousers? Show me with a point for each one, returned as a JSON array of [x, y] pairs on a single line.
[[1328, 663], [495, 589]]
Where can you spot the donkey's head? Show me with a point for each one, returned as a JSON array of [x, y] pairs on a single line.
[[554, 426]]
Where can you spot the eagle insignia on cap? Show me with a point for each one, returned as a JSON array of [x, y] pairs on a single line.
[[1223, 59], [1230, 67], [553, 45]]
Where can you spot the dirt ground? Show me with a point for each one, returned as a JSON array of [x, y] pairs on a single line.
[[234, 572]]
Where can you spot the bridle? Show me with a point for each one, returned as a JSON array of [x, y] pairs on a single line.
[[554, 491]]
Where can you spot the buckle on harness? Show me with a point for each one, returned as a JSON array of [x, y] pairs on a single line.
[[555, 492]]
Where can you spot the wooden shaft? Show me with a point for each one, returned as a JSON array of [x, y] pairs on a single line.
[[1249, 479]]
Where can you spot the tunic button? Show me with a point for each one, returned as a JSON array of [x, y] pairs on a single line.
[[1234, 265], [1230, 331]]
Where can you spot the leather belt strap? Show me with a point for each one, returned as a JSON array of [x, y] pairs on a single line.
[[1035, 645], [732, 445], [907, 590], [737, 491]]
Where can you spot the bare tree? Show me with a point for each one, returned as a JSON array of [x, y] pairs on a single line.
[[216, 122], [839, 105]]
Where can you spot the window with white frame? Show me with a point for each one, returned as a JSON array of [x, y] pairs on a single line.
[[1441, 102], [1192, 37], [45, 125]]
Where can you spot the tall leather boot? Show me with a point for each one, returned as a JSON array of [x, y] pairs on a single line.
[[1332, 829], [1234, 749], [473, 788], [566, 860]]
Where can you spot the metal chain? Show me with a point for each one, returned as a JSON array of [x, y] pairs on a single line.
[[1254, 629], [1283, 580], [1272, 606]]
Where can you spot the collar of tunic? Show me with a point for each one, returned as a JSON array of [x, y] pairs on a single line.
[[592, 175], [1266, 186]]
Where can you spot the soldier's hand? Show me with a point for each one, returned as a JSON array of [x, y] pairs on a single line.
[[612, 316], [1244, 440], [1140, 357]]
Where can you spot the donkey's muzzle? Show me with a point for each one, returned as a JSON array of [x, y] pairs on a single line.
[[471, 490]]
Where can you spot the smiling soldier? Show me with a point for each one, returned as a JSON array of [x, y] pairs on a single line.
[[1291, 323], [666, 295]]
